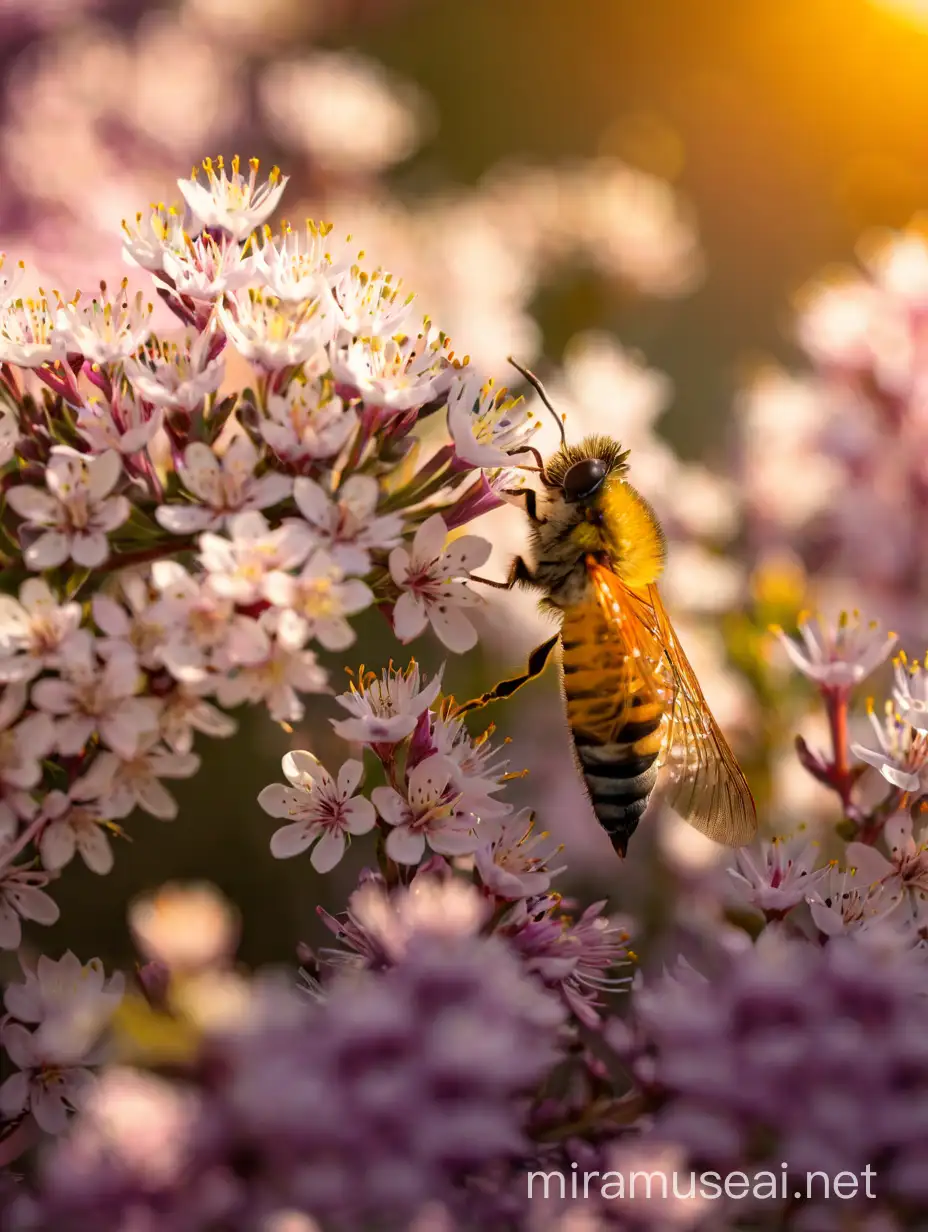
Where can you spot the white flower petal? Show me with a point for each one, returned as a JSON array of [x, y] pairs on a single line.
[[410, 616], [292, 840], [328, 851], [404, 846]]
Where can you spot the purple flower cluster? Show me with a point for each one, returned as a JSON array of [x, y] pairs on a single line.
[[816, 1056], [357, 1111]]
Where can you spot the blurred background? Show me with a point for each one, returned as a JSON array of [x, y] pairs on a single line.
[[695, 222]]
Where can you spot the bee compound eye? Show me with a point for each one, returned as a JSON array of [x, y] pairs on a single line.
[[583, 478]]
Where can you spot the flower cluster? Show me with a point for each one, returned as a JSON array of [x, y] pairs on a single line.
[[417, 1097], [67, 1007], [172, 549], [792, 1053], [852, 424], [174, 546], [458, 929]]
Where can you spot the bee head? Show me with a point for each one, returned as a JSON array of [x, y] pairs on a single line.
[[583, 480], [592, 510], [581, 472]]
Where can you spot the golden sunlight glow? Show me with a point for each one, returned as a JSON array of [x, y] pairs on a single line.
[[914, 10]]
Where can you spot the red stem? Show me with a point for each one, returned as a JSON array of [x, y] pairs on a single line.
[[140, 557], [17, 1142]]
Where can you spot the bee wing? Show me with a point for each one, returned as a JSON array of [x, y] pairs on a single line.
[[702, 780], [632, 626]]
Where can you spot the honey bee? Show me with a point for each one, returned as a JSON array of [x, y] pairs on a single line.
[[634, 705]]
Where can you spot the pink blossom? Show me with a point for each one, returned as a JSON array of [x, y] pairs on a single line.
[[77, 512], [425, 814], [434, 592], [221, 487], [325, 811]]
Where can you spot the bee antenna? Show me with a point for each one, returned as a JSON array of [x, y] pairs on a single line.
[[540, 391]]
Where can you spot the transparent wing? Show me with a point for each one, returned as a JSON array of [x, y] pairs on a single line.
[[702, 780], [628, 664]]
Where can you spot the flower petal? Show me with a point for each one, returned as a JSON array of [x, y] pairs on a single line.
[[49, 550], [292, 840], [328, 851], [404, 846], [360, 815], [349, 777], [466, 553], [390, 805], [410, 616], [453, 628]]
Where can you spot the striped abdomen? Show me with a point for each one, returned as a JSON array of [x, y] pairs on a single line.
[[618, 763]]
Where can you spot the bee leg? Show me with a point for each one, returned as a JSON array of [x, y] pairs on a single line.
[[518, 572], [537, 662], [531, 503]]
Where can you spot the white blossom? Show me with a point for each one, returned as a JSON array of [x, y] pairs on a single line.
[[233, 202], [187, 928], [307, 422], [838, 657], [847, 899], [346, 523], [280, 674], [391, 373], [293, 263], [23, 898], [479, 771], [904, 874], [320, 598], [277, 334], [486, 423], [434, 592], [199, 622], [902, 751], [426, 814], [48, 1090], [24, 742], [9, 436], [69, 1005], [34, 631], [170, 374], [56, 986], [122, 422], [238, 565], [206, 268], [222, 487], [105, 330], [162, 229], [28, 337], [185, 710], [135, 626], [777, 875], [88, 700], [322, 811], [76, 513], [121, 784], [911, 692], [510, 864], [385, 709], [373, 305], [74, 828]]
